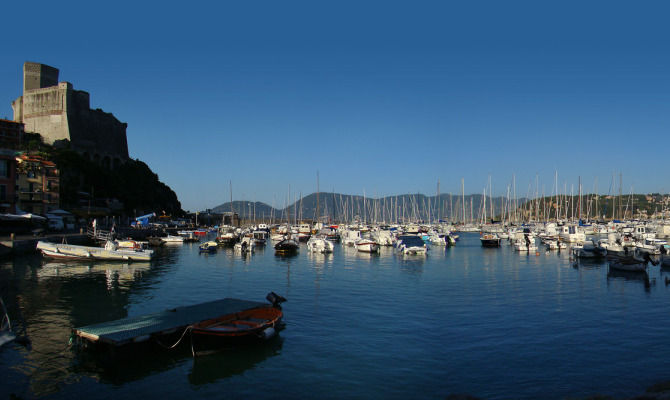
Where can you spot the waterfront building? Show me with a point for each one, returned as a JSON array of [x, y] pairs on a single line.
[[38, 183], [61, 114]]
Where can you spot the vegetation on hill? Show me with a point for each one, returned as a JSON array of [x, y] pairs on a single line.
[[85, 184]]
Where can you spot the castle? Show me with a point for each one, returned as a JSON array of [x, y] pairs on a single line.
[[58, 112]]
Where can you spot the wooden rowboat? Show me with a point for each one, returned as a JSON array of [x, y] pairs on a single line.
[[255, 324]]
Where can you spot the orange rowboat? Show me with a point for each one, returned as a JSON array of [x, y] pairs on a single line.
[[256, 324]]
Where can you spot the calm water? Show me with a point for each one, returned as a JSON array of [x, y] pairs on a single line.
[[489, 322]]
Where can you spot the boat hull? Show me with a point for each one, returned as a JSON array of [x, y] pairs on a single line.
[[490, 242], [286, 247], [74, 252], [367, 246], [254, 325]]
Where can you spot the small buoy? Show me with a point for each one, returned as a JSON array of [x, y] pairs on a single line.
[[537, 253]]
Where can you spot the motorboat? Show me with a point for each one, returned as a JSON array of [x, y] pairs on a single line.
[[209, 247], [651, 246], [349, 237], [572, 234], [260, 237], [589, 250], [286, 247], [554, 244], [383, 237], [111, 251], [410, 244], [490, 240], [330, 233], [320, 245], [524, 242], [129, 244], [227, 236], [245, 245], [173, 239], [366, 246]]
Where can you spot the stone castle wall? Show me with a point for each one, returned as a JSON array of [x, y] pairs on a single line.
[[58, 112], [44, 111]]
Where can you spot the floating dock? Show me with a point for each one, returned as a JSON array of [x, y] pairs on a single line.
[[143, 327]]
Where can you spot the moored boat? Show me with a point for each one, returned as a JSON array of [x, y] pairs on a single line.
[[589, 250], [245, 245], [171, 239], [287, 247], [411, 244], [320, 245], [366, 245], [110, 252], [209, 247], [490, 240], [255, 324]]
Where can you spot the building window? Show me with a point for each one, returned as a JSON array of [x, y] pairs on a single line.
[[3, 192], [4, 169]]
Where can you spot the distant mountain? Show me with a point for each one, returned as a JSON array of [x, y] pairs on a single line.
[[344, 207], [339, 207], [247, 209]]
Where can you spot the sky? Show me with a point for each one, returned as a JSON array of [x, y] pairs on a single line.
[[377, 98]]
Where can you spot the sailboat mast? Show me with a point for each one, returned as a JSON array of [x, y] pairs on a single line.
[[232, 210], [463, 194]]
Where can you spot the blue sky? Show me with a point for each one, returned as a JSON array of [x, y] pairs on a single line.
[[380, 98]]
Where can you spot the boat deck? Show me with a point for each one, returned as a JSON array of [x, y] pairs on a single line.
[[139, 328]]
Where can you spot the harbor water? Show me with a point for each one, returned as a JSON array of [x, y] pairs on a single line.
[[489, 322]]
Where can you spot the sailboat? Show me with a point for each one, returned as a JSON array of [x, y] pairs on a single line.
[[287, 246]]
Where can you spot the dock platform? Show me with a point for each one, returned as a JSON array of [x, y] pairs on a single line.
[[140, 328]]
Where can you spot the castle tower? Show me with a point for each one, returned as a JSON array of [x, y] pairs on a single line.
[[60, 113], [37, 76]]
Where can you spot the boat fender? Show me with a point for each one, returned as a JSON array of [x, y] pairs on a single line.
[[268, 333]]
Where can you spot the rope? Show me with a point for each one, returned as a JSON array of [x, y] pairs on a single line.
[[188, 329]]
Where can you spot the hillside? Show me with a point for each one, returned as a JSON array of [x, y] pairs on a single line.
[[133, 184], [131, 189], [344, 207]]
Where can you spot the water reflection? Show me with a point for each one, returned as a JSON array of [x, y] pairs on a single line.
[[630, 276], [122, 367], [587, 263], [233, 361], [411, 263], [115, 272], [320, 259]]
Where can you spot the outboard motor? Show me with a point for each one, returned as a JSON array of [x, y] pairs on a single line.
[[275, 299]]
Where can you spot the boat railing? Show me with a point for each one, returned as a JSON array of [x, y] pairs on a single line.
[[99, 234]]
